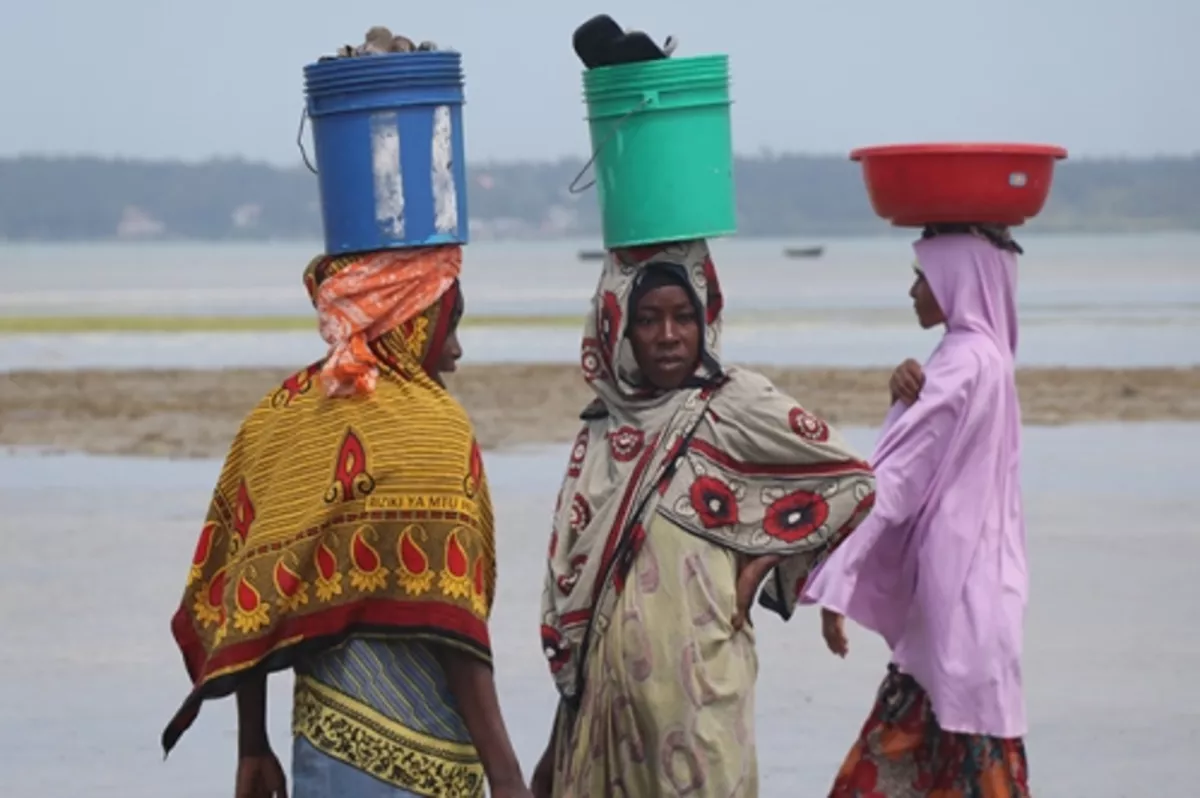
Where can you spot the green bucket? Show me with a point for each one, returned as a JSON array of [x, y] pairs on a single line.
[[662, 148]]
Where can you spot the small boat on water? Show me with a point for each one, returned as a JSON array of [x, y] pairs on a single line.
[[804, 252], [790, 252]]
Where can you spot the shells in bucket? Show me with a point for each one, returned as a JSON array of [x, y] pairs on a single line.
[[380, 40]]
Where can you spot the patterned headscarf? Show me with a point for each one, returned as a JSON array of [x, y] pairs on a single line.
[[727, 458], [362, 298]]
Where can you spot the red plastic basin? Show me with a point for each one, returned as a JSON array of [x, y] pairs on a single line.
[[912, 185]]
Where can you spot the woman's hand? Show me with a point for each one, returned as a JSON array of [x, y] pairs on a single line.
[[907, 381], [833, 629], [542, 784], [260, 776], [751, 573]]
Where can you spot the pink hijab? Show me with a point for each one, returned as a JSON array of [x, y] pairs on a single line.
[[938, 568]]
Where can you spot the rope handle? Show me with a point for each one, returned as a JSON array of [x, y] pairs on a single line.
[[647, 99], [300, 141]]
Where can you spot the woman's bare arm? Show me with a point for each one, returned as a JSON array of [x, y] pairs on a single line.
[[252, 716], [474, 688]]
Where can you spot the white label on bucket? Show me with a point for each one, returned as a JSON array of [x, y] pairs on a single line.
[[389, 180], [1017, 179], [445, 198]]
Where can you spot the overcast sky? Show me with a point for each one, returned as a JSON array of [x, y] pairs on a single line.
[[172, 79]]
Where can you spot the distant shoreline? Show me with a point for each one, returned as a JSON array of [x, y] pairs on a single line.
[[59, 325], [781, 196], [195, 413], [875, 229]]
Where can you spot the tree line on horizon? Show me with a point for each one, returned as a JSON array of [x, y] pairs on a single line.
[[92, 198]]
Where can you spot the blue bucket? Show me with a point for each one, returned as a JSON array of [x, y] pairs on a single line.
[[388, 136]]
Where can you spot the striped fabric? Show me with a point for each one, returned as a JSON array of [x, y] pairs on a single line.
[[375, 716]]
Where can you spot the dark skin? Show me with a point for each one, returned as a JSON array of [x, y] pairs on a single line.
[[451, 349], [471, 682], [665, 332], [905, 385], [908, 378]]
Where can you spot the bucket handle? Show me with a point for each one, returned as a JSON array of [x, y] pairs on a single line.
[[649, 98], [300, 141]]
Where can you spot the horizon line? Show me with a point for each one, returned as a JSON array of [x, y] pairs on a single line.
[[766, 154]]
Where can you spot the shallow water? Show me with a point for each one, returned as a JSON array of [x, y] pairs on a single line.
[[1084, 301], [97, 550], [1052, 344]]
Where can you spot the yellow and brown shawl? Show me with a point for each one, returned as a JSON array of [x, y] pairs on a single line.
[[332, 516]]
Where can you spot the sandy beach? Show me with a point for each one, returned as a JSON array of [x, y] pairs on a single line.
[[194, 413]]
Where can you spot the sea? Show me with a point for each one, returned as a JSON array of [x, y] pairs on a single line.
[[1120, 300]]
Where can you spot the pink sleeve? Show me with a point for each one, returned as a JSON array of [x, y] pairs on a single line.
[[914, 443]]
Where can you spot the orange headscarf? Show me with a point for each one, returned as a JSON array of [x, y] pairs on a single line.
[[371, 296]]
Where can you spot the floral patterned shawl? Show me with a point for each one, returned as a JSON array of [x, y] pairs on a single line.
[[728, 458]]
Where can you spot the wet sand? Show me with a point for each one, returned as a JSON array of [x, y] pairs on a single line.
[[186, 414]]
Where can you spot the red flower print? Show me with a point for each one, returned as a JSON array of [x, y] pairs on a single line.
[[578, 452], [590, 360], [808, 426], [556, 653], [714, 501], [581, 514], [626, 443], [795, 516], [566, 582]]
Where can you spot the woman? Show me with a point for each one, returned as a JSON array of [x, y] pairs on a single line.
[[939, 568], [350, 538], [688, 484]]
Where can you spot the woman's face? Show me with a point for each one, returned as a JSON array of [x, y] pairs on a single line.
[[929, 312], [451, 348], [665, 334]]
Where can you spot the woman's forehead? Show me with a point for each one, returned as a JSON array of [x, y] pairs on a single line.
[[661, 294]]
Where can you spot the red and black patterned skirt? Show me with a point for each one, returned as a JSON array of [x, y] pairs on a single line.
[[902, 753]]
